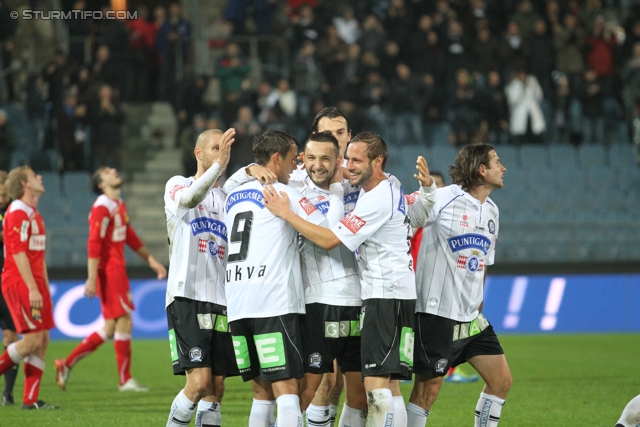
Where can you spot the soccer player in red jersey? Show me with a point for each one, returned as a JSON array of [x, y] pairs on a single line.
[[25, 283], [109, 231]]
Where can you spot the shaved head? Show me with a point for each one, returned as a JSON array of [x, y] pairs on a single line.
[[205, 136]]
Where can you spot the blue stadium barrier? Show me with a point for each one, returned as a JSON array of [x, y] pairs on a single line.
[[514, 304]]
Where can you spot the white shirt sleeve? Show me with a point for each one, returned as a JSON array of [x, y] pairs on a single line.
[[336, 204], [367, 218], [492, 249], [420, 204], [238, 178], [195, 194], [303, 207], [173, 192]]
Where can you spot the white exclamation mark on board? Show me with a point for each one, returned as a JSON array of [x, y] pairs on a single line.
[[518, 292], [554, 299]]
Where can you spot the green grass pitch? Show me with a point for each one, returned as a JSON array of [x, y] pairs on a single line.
[[559, 380]]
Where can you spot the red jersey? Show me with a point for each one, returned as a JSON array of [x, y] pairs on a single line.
[[109, 230], [23, 232]]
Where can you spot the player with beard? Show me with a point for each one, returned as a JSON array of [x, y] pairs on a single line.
[[379, 228], [109, 231]]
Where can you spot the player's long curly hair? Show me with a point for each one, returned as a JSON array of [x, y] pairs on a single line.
[[464, 172]]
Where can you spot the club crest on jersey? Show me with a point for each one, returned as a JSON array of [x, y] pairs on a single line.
[[492, 226], [315, 360], [253, 196], [471, 263], [469, 241], [213, 249], [307, 206], [195, 354], [353, 223], [208, 225], [463, 220], [411, 198]]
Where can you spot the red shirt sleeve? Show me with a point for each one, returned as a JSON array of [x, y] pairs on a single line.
[[16, 237], [98, 224], [133, 240], [415, 247]]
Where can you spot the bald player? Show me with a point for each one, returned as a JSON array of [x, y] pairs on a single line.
[[196, 305]]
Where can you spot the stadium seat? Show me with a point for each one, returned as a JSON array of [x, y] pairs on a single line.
[[442, 156], [76, 182], [621, 154], [534, 157], [508, 156], [593, 156], [563, 155], [51, 181]]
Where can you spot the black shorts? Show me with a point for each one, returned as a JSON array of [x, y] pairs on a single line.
[[268, 347], [199, 337], [330, 332], [6, 322], [387, 338], [443, 343]]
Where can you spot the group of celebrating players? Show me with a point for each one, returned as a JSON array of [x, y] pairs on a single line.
[[297, 278]]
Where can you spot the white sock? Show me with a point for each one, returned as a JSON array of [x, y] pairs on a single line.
[[262, 413], [208, 414], [351, 417], [380, 402], [488, 410], [289, 414], [333, 411], [318, 416], [416, 416], [182, 410], [631, 415], [399, 412]]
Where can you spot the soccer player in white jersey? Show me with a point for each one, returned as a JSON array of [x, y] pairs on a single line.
[[201, 346], [379, 228], [330, 327], [458, 243], [264, 282]]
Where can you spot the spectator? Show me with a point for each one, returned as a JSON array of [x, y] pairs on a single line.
[[374, 35], [304, 27], [36, 107], [487, 52], [591, 98], [80, 29], [539, 53], [599, 46], [389, 60], [246, 127], [523, 97], [106, 118], [567, 114], [398, 22], [631, 79], [266, 99], [115, 34], [286, 98], [407, 97], [187, 143], [232, 69], [8, 141], [308, 78], [525, 17], [171, 43], [463, 114], [457, 46], [104, 68], [374, 97], [347, 26], [143, 44], [332, 52], [568, 41], [71, 135], [494, 110], [191, 102], [514, 44], [57, 75]]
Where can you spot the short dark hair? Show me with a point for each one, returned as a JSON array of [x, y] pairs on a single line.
[[324, 137], [96, 180], [331, 113], [464, 172], [269, 142], [375, 146]]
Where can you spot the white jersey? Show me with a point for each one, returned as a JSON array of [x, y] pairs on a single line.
[[379, 229], [458, 241], [329, 277], [263, 262], [197, 244]]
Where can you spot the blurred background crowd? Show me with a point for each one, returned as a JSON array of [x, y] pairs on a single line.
[[416, 72]]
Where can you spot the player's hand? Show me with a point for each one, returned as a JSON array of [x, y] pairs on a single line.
[[35, 299], [277, 203], [157, 267], [90, 288], [225, 147], [262, 174], [423, 172]]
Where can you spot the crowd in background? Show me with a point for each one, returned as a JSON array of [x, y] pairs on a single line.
[[518, 71]]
